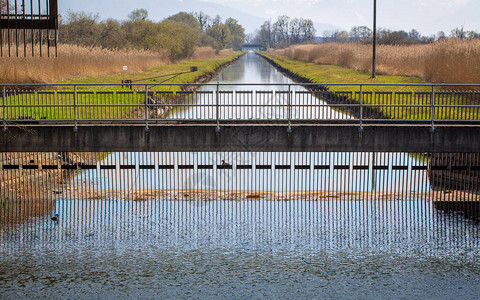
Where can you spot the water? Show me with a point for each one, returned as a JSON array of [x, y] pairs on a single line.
[[191, 248]]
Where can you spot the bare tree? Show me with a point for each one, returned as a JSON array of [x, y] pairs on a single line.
[[295, 31], [280, 29], [307, 30], [203, 19]]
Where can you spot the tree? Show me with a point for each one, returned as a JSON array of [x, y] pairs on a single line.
[[458, 33], [280, 30], [203, 19], [441, 35], [237, 32], [343, 37], [112, 34], [186, 18], [307, 30], [138, 14], [216, 21], [265, 35], [295, 31], [177, 39], [361, 34], [221, 34], [414, 35], [81, 29]]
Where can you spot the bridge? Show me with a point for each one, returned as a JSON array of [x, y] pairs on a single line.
[[253, 47], [284, 118]]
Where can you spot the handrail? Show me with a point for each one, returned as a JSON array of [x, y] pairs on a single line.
[[221, 105]]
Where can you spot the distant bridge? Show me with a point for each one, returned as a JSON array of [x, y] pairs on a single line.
[[285, 118], [253, 47]]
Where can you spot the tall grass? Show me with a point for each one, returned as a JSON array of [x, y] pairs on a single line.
[[77, 61], [446, 61]]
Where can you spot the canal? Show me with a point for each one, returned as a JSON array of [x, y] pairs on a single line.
[[248, 227]]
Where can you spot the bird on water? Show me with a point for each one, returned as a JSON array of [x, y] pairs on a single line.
[[55, 218]]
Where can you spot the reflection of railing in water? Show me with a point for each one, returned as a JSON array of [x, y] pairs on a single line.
[[31, 183], [227, 176]]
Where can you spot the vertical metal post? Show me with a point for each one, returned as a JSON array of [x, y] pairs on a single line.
[[361, 108], [16, 28], [8, 29], [289, 129], [432, 101], [75, 129], [32, 31], [4, 112], [374, 58], [146, 109], [217, 100]]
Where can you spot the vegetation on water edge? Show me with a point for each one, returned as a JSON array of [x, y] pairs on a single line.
[[391, 101]]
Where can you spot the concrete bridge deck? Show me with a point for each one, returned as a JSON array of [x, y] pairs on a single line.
[[240, 137]]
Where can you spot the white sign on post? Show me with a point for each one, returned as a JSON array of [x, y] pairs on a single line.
[[124, 68]]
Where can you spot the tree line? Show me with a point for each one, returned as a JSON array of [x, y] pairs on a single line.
[[177, 35], [284, 32], [363, 34]]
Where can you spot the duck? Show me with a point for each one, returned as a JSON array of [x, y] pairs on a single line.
[[55, 218], [225, 163]]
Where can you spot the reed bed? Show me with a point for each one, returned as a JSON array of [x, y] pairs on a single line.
[[446, 61], [77, 61]]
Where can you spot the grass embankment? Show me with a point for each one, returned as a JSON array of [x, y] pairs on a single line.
[[169, 73], [388, 100], [94, 102]]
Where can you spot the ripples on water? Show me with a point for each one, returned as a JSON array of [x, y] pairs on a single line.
[[238, 249]]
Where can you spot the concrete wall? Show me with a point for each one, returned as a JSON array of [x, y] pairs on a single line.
[[240, 138]]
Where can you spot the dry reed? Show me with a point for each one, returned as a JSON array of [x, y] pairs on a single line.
[[76, 61], [447, 61]]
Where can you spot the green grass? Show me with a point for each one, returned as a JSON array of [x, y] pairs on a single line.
[[107, 102], [173, 73], [386, 99]]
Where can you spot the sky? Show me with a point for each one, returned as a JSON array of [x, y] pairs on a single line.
[[427, 16]]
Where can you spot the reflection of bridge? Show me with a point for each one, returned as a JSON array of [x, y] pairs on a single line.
[[284, 118]]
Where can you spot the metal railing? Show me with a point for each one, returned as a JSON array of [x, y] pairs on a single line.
[[77, 104]]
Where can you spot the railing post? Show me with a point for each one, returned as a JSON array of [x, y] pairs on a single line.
[[432, 100], [289, 113], [147, 129], [75, 129], [361, 108], [4, 112], [217, 100]]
